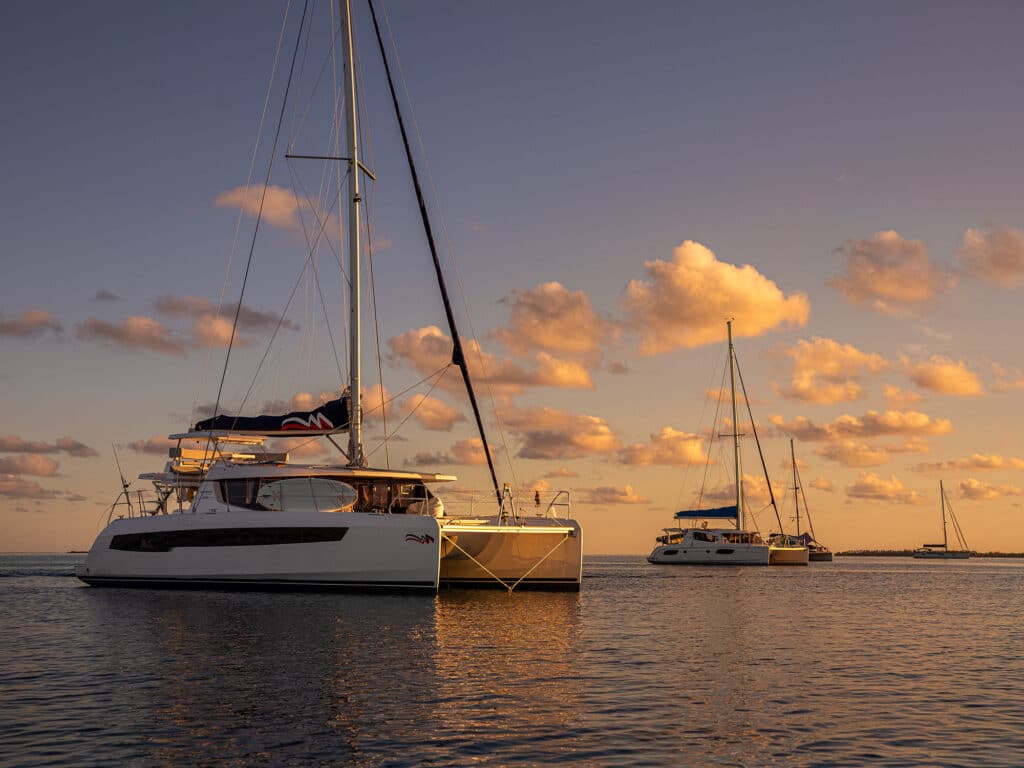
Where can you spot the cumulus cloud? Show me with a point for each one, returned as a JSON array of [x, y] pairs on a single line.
[[426, 459], [822, 484], [547, 433], [429, 349], [133, 333], [871, 424], [561, 472], [755, 492], [979, 491], [158, 445], [14, 487], [469, 451], [667, 446], [609, 494], [29, 464], [211, 327], [974, 462], [281, 206], [300, 447], [30, 324], [68, 445], [852, 453], [996, 254], [891, 275], [685, 302], [1007, 378], [941, 374], [900, 398], [553, 318], [826, 371], [432, 413], [871, 487]]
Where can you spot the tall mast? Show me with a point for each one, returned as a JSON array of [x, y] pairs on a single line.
[[942, 501], [735, 431], [355, 432], [796, 487]]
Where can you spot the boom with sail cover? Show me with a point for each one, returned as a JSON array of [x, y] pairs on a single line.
[[718, 513], [327, 418]]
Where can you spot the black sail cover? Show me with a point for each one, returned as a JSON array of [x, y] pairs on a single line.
[[329, 417]]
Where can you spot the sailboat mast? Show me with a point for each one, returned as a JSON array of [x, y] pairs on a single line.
[[735, 430], [355, 432], [942, 501], [796, 486]]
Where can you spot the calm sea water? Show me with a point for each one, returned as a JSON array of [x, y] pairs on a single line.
[[862, 661]]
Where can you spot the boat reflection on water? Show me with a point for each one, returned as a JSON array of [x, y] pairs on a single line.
[[242, 675]]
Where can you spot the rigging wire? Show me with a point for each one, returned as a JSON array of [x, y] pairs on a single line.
[[248, 185], [451, 251], [259, 215], [764, 467], [458, 355]]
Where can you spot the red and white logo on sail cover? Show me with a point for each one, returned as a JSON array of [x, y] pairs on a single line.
[[315, 421]]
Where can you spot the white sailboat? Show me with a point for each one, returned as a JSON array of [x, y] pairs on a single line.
[[942, 551], [231, 514], [816, 551], [703, 545]]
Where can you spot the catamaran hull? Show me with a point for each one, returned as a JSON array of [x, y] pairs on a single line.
[[820, 557], [958, 555], [788, 556], [541, 555], [268, 550], [738, 554]]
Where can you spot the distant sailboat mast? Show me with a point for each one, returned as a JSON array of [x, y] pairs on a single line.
[[356, 457], [942, 497], [735, 431], [796, 486]]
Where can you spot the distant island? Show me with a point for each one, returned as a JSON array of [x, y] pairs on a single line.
[[910, 553]]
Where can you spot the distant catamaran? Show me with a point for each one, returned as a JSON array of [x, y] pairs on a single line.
[[942, 551]]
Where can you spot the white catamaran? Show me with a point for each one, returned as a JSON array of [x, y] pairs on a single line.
[[942, 551], [230, 513], [702, 545]]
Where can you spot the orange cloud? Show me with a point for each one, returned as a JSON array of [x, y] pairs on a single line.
[[996, 255], [669, 447], [871, 424], [470, 451], [553, 318], [825, 371], [979, 491], [608, 494], [547, 433], [871, 487], [1007, 378], [822, 484], [133, 333], [158, 445], [30, 324], [29, 464], [561, 472], [976, 461], [900, 398], [890, 274], [686, 301], [68, 445], [14, 487], [940, 374], [429, 349], [432, 413]]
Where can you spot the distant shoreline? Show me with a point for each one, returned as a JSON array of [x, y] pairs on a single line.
[[910, 553]]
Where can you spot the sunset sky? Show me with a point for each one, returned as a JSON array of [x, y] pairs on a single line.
[[609, 183]]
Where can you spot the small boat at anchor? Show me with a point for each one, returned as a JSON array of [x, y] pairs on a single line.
[[942, 551], [703, 545]]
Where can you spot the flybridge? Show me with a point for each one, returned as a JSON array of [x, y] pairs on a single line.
[[330, 417]]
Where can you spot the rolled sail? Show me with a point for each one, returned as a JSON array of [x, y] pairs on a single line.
[[709, 514], [329, 417]]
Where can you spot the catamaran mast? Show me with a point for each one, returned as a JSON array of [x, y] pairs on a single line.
[[942, 501], [796, 486], [735, 431], [356, 458]]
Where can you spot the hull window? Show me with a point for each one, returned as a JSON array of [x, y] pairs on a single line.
[[165, 541], [724, 551]]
